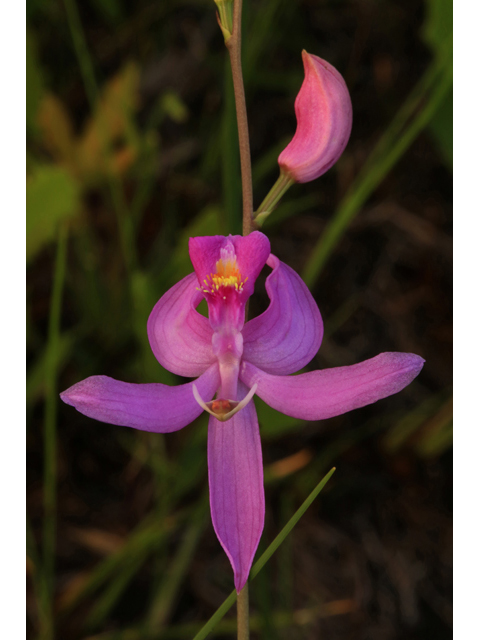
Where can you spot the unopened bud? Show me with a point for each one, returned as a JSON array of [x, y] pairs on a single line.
[[324, 122]]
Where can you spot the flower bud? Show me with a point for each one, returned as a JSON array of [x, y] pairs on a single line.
[[324, 122]]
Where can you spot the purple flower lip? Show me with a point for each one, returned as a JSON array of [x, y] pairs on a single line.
[[235, 360], [324, 122]]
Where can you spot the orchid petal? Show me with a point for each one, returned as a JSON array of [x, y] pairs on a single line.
[[149, 407], [235, 475], [324, 122], [251, 254], [323, 394], [181, 338], [288, 334]]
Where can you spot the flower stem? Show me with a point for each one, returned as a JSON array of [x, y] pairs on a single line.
[[243, 624], [273, 197], [234, 46]]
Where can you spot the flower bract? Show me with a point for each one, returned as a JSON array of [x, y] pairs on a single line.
[[233, 359]]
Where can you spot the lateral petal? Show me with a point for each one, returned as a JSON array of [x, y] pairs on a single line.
[[149, 407], [288, 334], [181, 338], [323, 394], [235, 474]]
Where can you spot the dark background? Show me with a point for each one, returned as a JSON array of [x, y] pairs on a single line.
[[131, 149]]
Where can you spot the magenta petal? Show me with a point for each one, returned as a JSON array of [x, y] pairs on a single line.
[[235, 474], [288, 334], [180, 337], [149, 407], [323, 394], [251, 252]]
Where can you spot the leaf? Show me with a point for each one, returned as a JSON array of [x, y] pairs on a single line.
[[52, 196]]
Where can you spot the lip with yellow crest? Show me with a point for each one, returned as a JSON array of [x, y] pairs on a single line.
[[226, 268]]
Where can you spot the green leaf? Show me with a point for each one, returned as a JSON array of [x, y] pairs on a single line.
[[52, 196]]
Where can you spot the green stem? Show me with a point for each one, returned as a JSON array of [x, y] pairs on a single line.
[[50, 439], [234, 46], [273, 197], [243, 623]]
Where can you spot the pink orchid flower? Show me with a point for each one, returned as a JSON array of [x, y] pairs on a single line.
[[324, 122], [235, 360]]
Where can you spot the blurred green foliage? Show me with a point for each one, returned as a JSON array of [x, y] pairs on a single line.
[[52, 197], [437, 30]]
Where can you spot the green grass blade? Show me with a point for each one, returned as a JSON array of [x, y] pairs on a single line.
[[264, 558]]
